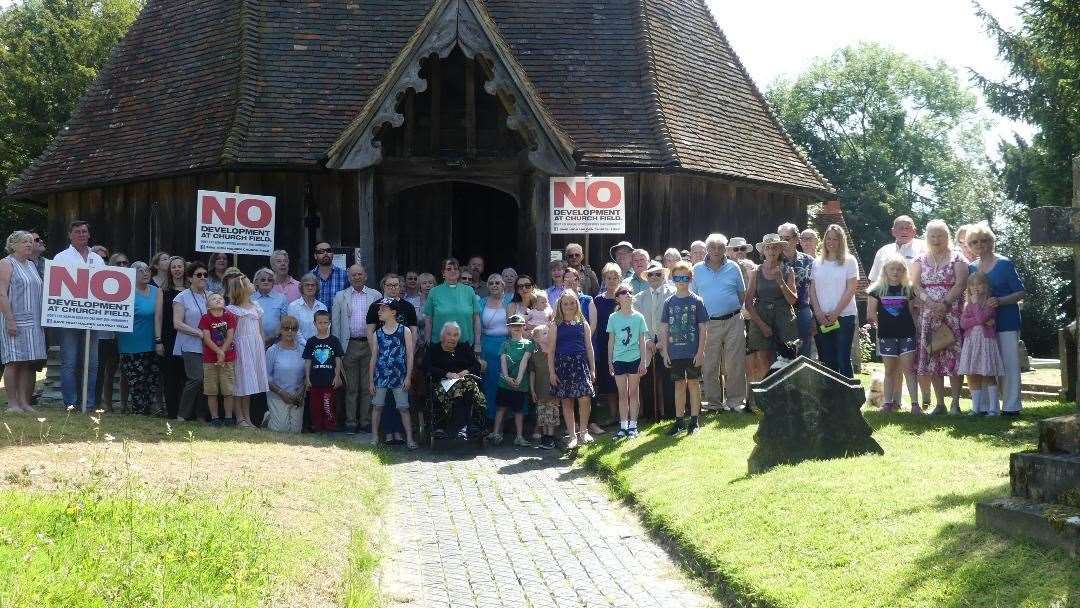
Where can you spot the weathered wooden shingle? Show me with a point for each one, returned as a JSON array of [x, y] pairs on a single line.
[[197, 84]]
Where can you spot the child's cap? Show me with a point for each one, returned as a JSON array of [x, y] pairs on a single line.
[[385, 302], [623, 289], [516, 320]]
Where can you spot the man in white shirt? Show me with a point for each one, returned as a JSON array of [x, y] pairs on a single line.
[[72, 340], [905, 243], [349, 325]]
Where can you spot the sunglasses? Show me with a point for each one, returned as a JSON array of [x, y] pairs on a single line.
[[680, 278], [573, 255], [200, 275], [656, 274], [283, 328], [322, 251], [122, 262], [524, 285], [39, 240]]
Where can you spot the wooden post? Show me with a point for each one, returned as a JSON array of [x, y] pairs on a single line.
[[236, 257], [86, 368], [435, 86], [470, 108], [365, 180], [410, 120]]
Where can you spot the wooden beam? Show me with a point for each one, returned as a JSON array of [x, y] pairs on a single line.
[[435, 86], [470, 108], [410, 122], [366, 216]]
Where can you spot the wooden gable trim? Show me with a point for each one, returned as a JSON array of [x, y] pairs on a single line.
[[450, 24]]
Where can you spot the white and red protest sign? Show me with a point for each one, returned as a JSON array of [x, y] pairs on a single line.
[[230, 222], [588, 205], [88, 297]]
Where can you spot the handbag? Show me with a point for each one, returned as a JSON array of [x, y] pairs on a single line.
[[942, 338]]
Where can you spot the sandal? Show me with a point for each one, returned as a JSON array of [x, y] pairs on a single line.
[[596, 429]]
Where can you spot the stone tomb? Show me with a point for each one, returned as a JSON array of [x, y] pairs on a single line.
[[1044, 501], [810, 412]]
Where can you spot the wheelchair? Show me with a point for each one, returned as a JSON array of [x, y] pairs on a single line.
[[432, 419]]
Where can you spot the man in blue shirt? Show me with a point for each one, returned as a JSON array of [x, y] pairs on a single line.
[[719, 283], [331, 278]]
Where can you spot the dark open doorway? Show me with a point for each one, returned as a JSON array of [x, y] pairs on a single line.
[[460, 219]]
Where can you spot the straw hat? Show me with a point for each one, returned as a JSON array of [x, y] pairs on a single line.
[[768, 239], [738, 243]]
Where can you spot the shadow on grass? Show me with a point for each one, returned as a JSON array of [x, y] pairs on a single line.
[[947, 502], [1008, 432], [968, 563]]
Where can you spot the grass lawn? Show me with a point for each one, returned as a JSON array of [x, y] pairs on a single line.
[[129, 512], [890, 531]]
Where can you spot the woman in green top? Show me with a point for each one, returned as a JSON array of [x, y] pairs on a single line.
[[453, 301], [626, 329]]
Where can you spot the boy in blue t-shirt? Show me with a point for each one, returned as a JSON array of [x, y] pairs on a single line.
[[683, 323]]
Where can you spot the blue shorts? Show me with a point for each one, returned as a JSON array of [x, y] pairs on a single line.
[[894, 347], [629, 367], [401, 397]]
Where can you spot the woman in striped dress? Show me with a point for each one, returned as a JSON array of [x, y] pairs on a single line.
[[250, 373], [22, 341]]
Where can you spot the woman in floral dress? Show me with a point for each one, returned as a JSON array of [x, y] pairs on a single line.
[[938, 277]]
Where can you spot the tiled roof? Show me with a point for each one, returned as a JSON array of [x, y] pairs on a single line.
[[204, 83]]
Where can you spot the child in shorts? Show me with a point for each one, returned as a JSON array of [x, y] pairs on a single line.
[[218, 328], [888, 307], [322, 372], [513, 392], [683, 323], [626, 359], [547, 406], [390, 369]]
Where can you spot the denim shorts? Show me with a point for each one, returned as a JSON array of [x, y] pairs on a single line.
[[628, 367], [894, 347], [401, 397]]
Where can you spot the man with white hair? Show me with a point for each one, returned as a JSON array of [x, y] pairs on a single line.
[[697, 252], [802, 266], [575, 258], [719, 282], [283, 283], [905, 244]]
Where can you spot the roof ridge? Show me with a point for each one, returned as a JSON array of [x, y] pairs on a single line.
[[765, 102], [659, 119], [246, 82]]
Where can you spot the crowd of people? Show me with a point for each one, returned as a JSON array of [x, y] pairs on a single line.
[[648, 337]]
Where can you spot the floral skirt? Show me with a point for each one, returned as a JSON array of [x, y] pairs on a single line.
[[575, 380]]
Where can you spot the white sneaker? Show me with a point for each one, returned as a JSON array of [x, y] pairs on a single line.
[[572, 443], [587, 438]]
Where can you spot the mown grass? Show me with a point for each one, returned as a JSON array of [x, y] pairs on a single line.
[[127, 511], [891, 531]]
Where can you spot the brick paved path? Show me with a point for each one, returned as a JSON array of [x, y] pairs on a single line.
[[519, 528]]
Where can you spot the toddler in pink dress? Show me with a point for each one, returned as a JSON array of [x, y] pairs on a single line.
[[980, 359]]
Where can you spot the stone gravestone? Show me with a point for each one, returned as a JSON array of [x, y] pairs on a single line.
[[809, 412], [1044, 504]]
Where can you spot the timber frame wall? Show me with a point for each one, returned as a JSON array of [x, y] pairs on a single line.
[[664, 210]]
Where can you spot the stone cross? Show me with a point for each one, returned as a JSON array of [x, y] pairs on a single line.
[[1060, 226]]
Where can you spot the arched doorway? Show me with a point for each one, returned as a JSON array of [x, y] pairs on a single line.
[[452, 218]]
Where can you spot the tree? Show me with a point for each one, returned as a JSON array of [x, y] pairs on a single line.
[[894, 135], [50, 52], [1043, 88]]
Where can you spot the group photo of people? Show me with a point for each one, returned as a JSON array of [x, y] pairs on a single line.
[[556, 360]]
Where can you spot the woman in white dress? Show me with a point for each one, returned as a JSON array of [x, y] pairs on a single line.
[[250, 374]]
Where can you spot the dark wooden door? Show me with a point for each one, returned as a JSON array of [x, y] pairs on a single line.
[[431, 222]]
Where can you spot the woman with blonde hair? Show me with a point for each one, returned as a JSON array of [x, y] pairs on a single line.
[[250, 373], [938, 277], [832, 296], [572, 367], [22, 341]]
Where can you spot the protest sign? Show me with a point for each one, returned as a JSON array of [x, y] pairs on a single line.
[[230, 222], [88, 297], [588, 205]]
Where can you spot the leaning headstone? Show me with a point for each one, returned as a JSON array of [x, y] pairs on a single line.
[[809, 412], [1068, 365], [1044, 501]]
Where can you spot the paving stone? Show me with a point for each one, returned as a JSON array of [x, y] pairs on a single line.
[[508, 528]]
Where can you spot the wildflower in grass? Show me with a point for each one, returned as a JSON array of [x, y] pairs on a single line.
[[99, 411], [71, 408], [95, 420], [168, 430], [42, 419], [109, 437]]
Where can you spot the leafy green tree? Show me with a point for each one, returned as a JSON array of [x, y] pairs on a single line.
[[1043, 88], [894, 135], [50, 52]]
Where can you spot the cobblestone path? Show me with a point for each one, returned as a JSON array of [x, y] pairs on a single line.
[[519, 528]]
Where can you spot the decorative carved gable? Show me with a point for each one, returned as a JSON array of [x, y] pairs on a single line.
[[464, 24]]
